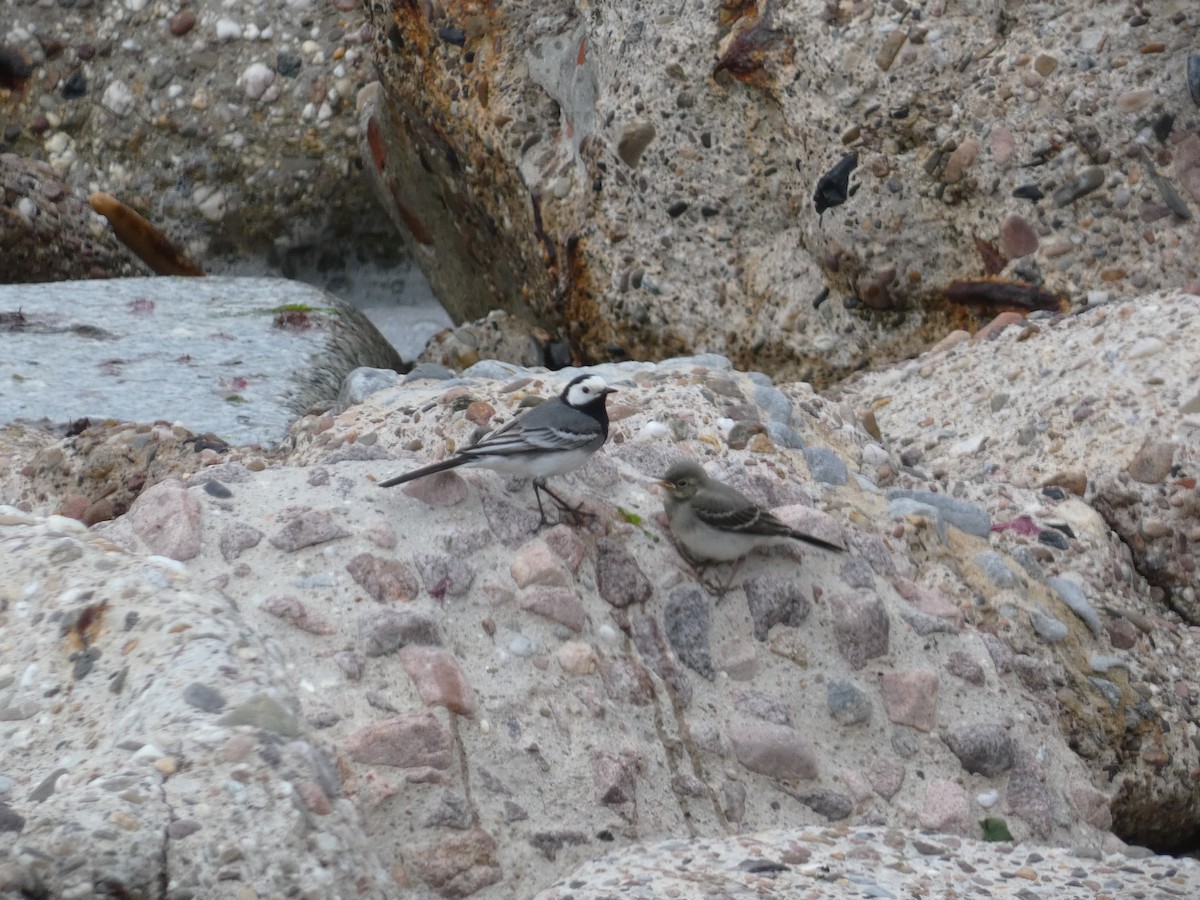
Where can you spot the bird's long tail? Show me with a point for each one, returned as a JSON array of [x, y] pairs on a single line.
[[816, 542], [448, 463]]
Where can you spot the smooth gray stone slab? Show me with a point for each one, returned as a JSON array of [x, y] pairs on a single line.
[[239, 357]]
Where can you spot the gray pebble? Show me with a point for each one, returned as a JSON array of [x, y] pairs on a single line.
[[903, 507], [785, 436], [1101, 662], [494, 368], [774, 403], [362, 383], [824, 465], [985, 749], [925, 624], [994, 567], [1072, 595], [1082, 184], [847, 702], [685, 622], [1111, 692], [968, 517], [1048, 628], [431, 371], [203, 697]]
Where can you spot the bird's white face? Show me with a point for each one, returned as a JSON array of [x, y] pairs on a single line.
[[586, 390]]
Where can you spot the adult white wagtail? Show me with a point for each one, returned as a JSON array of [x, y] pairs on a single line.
[[553, 438], [715, 522]]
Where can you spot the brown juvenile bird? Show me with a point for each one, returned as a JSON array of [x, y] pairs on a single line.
[[715, 522]]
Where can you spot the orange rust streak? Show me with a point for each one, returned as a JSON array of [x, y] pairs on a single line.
[[581, 56], [151, 245], [419, 231], [996, 294], [375, 142]]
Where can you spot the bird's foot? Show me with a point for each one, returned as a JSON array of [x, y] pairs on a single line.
[[578, 515]]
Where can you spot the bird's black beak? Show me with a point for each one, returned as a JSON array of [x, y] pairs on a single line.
[[608, 391]]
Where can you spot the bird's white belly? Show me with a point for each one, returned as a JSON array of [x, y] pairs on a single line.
[[533, 465], [707, 543]]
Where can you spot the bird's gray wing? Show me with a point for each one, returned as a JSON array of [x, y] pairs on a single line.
[[727, 509], [548, 427]]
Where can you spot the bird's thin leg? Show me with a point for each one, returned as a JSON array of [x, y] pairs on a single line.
[[700, 569], [576, 512], [728, 585]]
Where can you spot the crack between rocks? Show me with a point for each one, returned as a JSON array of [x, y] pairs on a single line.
[[689, 746], [464, 770], [164, 877]]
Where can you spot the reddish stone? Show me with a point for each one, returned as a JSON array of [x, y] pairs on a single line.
[[386, 580], [438, 678], [1017, 237], [408, 741], [167, 518], [910, 698]]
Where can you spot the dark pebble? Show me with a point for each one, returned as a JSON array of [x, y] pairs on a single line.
[[203, 697], [1028, 192], [287, 65], [830, 804], [685, 621], [833, 188], [1079, 186], [12, 132], [1052, 538], [1193, 76], [216, 489], [677, 209], [451, 35], [84, 52], [10, 820], [15, 67], [1054, 493], [182, 23], [1162, 127]]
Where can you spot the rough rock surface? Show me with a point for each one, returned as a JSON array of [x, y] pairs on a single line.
[[238, 357], [231, 128], [519, 704], [48, 232], [643, 178]]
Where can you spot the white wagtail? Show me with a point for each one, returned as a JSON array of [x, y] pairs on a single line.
[[714, 522], [553, 438]]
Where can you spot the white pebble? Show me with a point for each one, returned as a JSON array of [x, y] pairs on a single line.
[[652, 431], [969, 446], [255, 80], [57, 143], [27, 208], [988, 798], [874, 455], [64, 525], [251, 33], [228, 30], [147, 752], [1144, 347], [118, 98], [210, 202], [10, 515]]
